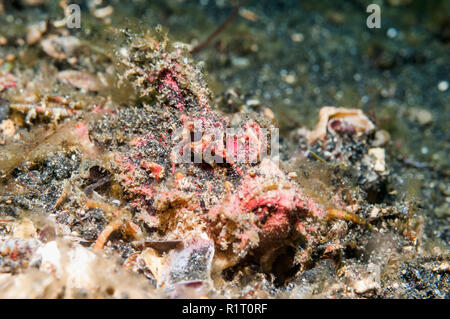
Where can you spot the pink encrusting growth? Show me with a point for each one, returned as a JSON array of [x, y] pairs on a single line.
[[265, 208], [156, 171], [174, 94]]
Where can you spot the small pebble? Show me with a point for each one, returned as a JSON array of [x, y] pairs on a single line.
[[364, 285], [443, 86], [382, 137], [421, 115], [103, 12], [357, 77], [392, 33], [374, 212], [289, 78], [253, 103], [379, 156], [240, 61], [297, 37]]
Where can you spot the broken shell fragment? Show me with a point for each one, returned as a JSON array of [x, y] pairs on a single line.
[[191, 263], [35, 32], [60, 48], [341, 121], [81, 80]]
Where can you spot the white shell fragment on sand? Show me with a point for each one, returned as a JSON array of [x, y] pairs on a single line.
[[338, 119]]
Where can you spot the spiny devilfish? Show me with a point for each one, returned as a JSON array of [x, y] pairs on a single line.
[[248, 209]]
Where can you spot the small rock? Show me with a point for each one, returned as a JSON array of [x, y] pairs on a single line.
[[253, 103], [289, 78], [240, 62], [420, 115], [379, 155], [382, 137], [364, 285], [374, 212], [297, 37]]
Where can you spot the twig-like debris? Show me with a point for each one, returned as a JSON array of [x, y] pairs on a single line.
[[208, 40], [107, 231]]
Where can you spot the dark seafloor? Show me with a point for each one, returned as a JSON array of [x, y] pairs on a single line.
[[292, 57]]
